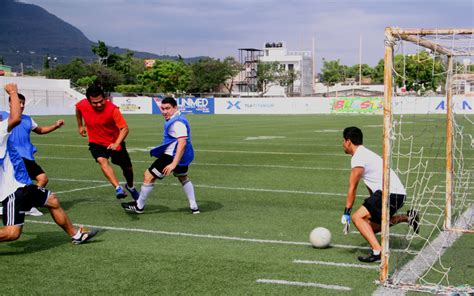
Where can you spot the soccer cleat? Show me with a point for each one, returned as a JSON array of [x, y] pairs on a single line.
[[370, 258], [85, 236], [135, 194], [34, 212], [195, 211], [120, 193], [414, 220], [132, 207]]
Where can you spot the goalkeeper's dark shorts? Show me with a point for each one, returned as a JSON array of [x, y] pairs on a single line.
[[374, 205]]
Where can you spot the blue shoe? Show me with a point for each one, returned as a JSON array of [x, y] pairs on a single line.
[[135, 194], [120, 193]]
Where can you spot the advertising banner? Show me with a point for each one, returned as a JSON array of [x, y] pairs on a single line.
[[133, 105], [357, 105], [188, 105], [272, 106]]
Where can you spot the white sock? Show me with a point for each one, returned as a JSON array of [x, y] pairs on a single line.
[[376, 253], [78, 234], [144, 192], [189, 190]]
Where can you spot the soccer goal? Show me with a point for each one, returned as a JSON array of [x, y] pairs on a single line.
[[428, 140]]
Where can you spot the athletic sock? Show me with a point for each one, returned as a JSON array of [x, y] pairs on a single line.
[[376, 252], [77, 235], [189, 190], [144, 192]]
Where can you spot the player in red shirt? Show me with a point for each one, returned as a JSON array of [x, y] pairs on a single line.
[[107, 130]]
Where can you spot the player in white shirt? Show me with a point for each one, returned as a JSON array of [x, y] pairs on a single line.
[[174, 155], [17, 194], [368, 166]]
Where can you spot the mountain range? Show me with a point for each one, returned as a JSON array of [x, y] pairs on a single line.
[[29, 33]]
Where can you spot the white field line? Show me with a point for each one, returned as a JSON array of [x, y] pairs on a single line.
[[216, 164], [304, 284], [336, 264], [83, 188], [224, 188], [241, 151], [208, 236]]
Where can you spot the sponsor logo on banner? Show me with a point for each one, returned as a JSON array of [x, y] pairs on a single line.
[[233, 105], [196, 105], [357, 105], [188, 105]]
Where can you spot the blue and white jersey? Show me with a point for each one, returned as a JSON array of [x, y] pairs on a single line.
[[20, 137], [13, 173], [176, 127]]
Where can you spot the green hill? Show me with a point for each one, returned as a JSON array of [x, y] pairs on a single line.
[[28, 33]]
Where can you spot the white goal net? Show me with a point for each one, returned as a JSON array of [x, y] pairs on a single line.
[[433, 154]]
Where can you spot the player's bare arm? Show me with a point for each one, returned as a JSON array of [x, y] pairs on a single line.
[[41, 130], [180, 147], [15, 107], [80, 125], [121, 137], [354, 178]]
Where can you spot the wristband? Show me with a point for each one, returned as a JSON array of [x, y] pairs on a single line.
[[347, 211]]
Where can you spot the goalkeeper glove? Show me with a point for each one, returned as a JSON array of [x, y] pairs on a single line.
[[346, 220]]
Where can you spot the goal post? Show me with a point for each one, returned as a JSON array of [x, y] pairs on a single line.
[[444, 45]]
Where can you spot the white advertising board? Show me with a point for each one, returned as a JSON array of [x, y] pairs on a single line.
[[272, 106], [134, 105]]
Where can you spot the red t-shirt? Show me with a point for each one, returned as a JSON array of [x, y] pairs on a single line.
[[103, 127]]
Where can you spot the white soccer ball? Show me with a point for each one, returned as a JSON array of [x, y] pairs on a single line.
[[320, 237]]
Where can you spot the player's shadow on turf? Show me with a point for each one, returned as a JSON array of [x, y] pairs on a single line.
[[68, 204], [32, 242], [204, 207]]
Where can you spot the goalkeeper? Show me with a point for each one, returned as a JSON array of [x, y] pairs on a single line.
[[368, 166]]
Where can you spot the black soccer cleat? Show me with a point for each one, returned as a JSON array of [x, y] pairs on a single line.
[[414, 220], [132, 207], [195, 211], [85, 236], [370, 258]]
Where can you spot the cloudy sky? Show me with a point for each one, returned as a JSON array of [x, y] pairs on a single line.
[[218, 28]]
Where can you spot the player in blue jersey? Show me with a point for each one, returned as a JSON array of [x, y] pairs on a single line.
[[17, 194], [20, 138], [175, 154]]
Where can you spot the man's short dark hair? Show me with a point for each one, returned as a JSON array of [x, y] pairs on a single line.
[[20, 96], [94, 91], [169, 100], [354, 134]]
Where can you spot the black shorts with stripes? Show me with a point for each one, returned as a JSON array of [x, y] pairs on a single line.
[[21, 201], [156, 169]]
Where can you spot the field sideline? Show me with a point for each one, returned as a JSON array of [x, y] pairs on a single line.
[[262, 184]]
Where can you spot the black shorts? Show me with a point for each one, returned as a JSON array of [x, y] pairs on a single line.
[[120, 158], [374, 205], [156, 169], [21, 201], [32, 168]]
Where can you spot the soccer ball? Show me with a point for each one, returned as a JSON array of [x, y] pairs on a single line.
[[320, 237]]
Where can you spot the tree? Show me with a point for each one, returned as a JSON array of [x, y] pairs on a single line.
[[287, 80], [268, 73], [101, 51], [331, 72], [419, 72], [207, 75], [230, 71], [75, 70], [166, 76]]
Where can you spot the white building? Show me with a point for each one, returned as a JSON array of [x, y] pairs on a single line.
[[301, 62]]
